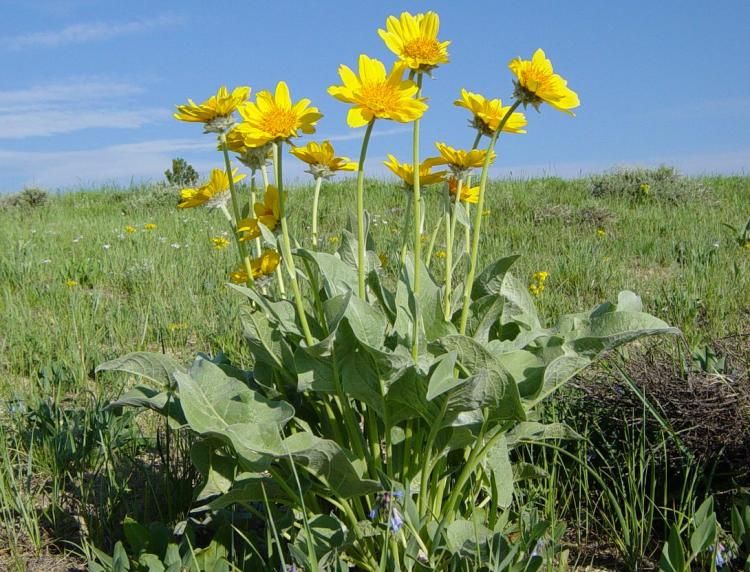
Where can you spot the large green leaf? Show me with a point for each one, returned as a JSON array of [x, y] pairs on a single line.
[[366, 321], [519, 306], [162, 402], [216, 467], [535, 432], [468, 539], [429, 303], [328, 536], [490, 384], [268, 344], [257, 487], [338, 276], [326, 460], [611, 329], [159, 368], [220, 406], [526, 369], [484, 316], [489, 390], [497, 464], [281, 313], [442, 378], [490, 281]]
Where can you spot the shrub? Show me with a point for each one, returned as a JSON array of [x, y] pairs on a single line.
[[181, 174], [30, 197], [638, 183]]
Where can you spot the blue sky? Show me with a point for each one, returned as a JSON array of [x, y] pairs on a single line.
[[88, 88]]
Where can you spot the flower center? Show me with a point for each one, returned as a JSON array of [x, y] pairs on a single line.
[[534, 78], [379, 97], [280, 122], [423, 49]]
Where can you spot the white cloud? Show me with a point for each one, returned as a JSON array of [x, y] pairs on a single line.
[[87, 32], [119, 163], [78, 103], [72, 91]]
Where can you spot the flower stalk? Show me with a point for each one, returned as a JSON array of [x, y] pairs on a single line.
[[316, 197], [478, 218], [287, 249], [244, 258], [417, 228], [361, 246]]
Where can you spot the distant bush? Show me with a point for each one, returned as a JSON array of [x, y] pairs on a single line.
[[661, 183], [151, 196], [30, 197], [181, 174]]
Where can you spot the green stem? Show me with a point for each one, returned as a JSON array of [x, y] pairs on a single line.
[[253, 200], [287, 249], [417, 230], [427, 461], [477, 139], [405, 235], [244, 258], [361, 246], [316, 196], [449, 217], [431, 246], [475, 457], [478, 218]]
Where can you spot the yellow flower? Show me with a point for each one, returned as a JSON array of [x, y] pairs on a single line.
[[540, 276], [262, 266], [249, 229], [601, 233], [460, 160], [212, 194], [220, 242], [216, 111], [487, 114], [130, 229], [175, 326], [440, 254], [71, 283], [149, 226], [468, 194], [405, 171], [333, 239], [269, 211], [414, 40], [645, 188], [537, 83], [273, 117], [322, 159], [250, 156], [377, 95]]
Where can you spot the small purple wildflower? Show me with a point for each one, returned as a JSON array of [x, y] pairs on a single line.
[[395, 522]]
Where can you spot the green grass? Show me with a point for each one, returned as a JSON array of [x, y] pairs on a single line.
[[165, 290]]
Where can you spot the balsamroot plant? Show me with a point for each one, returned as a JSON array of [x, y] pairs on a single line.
[[383, 405]]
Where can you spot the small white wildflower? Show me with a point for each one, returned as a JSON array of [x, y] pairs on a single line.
[[106, 246], [46, 261], [175, 245]]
